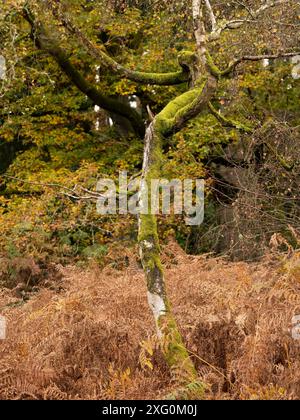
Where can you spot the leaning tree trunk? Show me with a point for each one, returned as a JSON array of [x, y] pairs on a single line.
[[173, 117], [172, 344]]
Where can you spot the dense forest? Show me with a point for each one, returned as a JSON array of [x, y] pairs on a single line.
[[101, 299]]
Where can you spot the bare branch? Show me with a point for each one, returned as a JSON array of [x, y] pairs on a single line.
[[227, 122], [211, 15], [65, 191], [237, 23], [287, 166], [238, 61], [249, 10]]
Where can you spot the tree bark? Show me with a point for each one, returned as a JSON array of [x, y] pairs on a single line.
[[172, 118], [171, 340]]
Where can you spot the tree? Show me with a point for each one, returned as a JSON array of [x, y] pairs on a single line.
[[199, 77]]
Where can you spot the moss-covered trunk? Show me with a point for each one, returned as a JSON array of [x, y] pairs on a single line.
[[173, 347], [172, 118]]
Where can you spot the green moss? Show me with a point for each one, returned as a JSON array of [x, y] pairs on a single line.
[[175, 351], [178, 107], [148, 227], [227, 122], [187, 59], [160, 79], [177, 104], [214, 69]]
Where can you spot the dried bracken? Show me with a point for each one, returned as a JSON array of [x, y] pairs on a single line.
[[92, 340]]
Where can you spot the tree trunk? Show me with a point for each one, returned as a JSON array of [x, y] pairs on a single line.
[[173, 347], [171, 119]]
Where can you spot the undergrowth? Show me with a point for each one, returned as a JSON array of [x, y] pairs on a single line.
[[94, 338]]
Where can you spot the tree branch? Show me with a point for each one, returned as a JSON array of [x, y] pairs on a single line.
[[65, 191], [227, 122], [238, 61], [212, 16], [249, 10], [237, 23], [280, 158], [108, 62], [199, 30], [45, 42], [185, 107]]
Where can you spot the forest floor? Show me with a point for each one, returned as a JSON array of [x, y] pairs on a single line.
[[91, 334]]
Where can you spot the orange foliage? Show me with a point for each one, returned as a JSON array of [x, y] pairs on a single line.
[[85, 339]]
